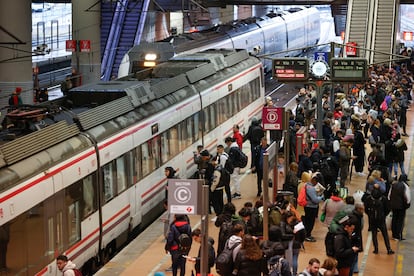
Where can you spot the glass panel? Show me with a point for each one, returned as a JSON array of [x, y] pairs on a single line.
[[131, 172], [146, 159], [197, 127], [59, 231], [73, 223], [121, 174], [165, 150], [108, 178], [138, 161], [89, 198], [51, 236], [156, 148]]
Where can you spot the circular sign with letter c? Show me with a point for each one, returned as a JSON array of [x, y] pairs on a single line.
[[182, 195]]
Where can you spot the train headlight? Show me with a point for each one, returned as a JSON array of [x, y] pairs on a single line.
[[150, 57], [149, 63]]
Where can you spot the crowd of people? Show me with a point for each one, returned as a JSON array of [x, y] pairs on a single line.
[[363, 131]]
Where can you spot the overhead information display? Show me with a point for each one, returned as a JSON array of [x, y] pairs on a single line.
[[348, 69], [291, 69]]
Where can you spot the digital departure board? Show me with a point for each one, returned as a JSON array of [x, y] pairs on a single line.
[[291, 69], [348, 69]]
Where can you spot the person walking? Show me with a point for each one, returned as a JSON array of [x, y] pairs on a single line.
[[254, 135]]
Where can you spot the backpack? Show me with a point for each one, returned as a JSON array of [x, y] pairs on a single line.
[[302, 197], [329, 244], [226, 229], [274, 264], [329, 168], [224, 177], [229, 166], [376, 208], [238, 157], [184, 242], [224, 261], [77, 272]]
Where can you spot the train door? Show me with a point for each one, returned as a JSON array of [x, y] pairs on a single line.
[[55, 225]]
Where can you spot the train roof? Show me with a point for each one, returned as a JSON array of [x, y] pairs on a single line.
[[32, 129]]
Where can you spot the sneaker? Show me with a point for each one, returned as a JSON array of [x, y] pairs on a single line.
[[169, 269], [361, 174], [310, 239], [236, 196], [390, 252]]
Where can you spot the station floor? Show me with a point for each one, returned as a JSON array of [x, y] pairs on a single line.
[[146, 254]]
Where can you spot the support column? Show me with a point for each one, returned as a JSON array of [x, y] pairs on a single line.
[[86, 26], [15, 50]]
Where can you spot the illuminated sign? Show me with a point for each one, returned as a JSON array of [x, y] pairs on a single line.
[[291, 69], [348, 69]]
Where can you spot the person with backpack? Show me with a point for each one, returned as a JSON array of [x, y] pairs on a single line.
[[328, 167], [344, 251], [221, 178], [249, 260], [179, 243], [235, 155], [67, 267], [196, 235], [254, 134], [225, 260], [225, 221], [311, 207], [223, 159], [376, 207], [330, 207]]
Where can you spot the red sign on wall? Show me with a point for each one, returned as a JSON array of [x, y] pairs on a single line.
[[272, 118], [350, 49], [85, 46], [70, 45]]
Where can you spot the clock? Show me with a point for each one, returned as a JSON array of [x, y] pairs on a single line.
[[319, 69]]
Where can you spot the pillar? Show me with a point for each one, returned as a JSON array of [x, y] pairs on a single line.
[[15, 50], [86, 18]]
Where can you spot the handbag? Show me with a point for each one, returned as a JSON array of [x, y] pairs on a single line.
[[323, 216]]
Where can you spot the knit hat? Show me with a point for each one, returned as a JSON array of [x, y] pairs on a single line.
[[18, 89], [387, 122], [348, 137]]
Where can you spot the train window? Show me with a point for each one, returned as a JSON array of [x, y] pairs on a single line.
[[51, 237], [89, 195], [195, 121], [165, 152], [138, 161], [170, 143], [132, 173], [108, 177], [150, 156], [59, 231], [73, 220], [156, 150], [121, 174], [188, 134]]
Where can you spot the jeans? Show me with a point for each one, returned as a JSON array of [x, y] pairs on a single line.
[[395, 164]]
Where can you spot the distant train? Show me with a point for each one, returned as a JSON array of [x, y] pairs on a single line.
[[292, 30], [80, 175]]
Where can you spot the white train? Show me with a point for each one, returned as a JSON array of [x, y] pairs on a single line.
[[82, 174], [283, 33]]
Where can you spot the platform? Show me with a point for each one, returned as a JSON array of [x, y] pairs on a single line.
[[146, 254]]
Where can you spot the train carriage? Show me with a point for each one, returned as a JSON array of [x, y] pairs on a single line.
[[87, 172]]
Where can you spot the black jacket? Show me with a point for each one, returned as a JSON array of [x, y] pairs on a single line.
[[343, 249], [397, 196]]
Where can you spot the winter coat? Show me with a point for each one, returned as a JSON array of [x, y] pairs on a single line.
[[343, 249], [247, 267], [68, 269], [396, 196], [330, 207], [312, 197], [176, 229]]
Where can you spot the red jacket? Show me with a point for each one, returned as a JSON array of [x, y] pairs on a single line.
[[239, 138]]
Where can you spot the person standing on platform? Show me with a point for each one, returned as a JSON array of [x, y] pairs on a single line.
[[344, 250], [345, 158], [399, 198], [196, 235], [222, 158], [254, 135], [258, 162], [233, 153], [238, 137], [15, 99], [376, 207], [312, 206], [178, 227], [221, 178]]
